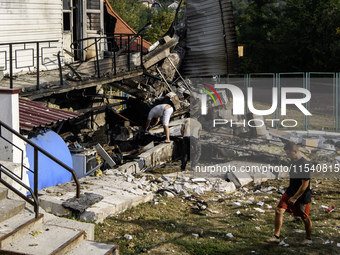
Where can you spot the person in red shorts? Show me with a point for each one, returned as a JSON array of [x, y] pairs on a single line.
[[297, 197]]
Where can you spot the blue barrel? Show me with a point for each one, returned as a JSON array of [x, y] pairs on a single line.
[[50, 173]]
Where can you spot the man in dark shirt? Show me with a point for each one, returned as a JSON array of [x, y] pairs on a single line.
[[297, 197]]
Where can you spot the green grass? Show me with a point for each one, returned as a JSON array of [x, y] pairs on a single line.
[[167, 227]]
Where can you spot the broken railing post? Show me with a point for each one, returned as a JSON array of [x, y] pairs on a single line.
[[97, 57], [128, 54], [141, 51], [36, 176], [38, 67], [11, 65], [60, 70]]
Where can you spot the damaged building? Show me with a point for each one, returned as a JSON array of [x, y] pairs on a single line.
[[93, 63], [79, 80]]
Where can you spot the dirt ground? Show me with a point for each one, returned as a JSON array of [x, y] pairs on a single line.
[[225, 223]]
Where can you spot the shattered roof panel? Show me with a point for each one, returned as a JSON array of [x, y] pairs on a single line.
[[211, 39], [34, 114]]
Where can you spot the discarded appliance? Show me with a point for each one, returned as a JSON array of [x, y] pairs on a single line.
[[84, 162]]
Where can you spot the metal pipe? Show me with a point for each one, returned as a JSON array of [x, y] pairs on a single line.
[[114, 59], [141, 51], [10, 66], [38, 67], [60, 70], [97, 57], [128, 54], [36, 175]]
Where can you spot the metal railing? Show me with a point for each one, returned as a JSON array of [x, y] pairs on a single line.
[[33, 200], [114, 46], [36, 54], [323, 86]]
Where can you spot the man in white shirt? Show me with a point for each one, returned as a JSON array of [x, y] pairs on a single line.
[[191, 132], [164, 111]]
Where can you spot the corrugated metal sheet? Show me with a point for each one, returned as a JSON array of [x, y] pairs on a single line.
[[34, 114], [211, 39]]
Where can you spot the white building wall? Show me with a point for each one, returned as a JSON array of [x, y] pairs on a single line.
[[29, 21]]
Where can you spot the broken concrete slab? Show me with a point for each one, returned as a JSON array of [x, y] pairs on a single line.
[[162, 153], [225, 187], [113, 205], [133, 167], [239, 178], [81, 204], [160, 53], [262, 177], [118, 195]]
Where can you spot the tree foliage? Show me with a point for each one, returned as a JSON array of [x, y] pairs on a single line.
[[134, 13], [277, 35], [137, 15], [285, 36]]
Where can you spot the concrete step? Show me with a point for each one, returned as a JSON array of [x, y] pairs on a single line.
[[46, 239], [10, 208], [3, 193], [16, 227], [94, 248]]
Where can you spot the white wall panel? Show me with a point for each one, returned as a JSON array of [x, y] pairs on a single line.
[[31, 21]]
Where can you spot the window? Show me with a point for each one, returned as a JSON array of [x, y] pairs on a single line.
[[67, 21], [93, 21], [67, 15], [67, 5], [93, 15], [93, 4]]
